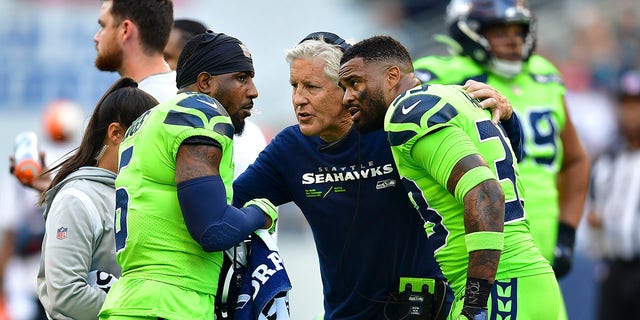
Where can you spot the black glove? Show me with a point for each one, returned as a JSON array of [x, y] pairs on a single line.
[[563, 254], [476, 294]]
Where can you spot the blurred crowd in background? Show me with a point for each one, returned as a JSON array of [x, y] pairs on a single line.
[[48, 49], [47, 53]]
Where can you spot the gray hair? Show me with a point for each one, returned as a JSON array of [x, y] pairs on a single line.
[[312, 48]]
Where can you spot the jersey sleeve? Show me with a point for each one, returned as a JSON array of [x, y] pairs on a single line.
[[417, 113], [198, 115], [427, 125]]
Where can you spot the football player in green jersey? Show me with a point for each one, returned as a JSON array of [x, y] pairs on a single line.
[[173, 190], [461, 175], [495, 41]]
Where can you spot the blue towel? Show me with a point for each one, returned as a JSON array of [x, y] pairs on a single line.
[[264, 293]]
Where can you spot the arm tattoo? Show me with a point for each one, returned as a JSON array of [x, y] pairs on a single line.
[[193, 161], [483, 264], [484, 211], [484, 208]]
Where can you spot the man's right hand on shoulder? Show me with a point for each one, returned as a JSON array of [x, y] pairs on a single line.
[[490, 99]]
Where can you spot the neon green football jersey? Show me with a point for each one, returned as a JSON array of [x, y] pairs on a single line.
[[433, 109], [536, 95], [152, 240]]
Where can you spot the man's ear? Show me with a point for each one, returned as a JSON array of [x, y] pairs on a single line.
[[205, 82], [127, 29], [392, 76]]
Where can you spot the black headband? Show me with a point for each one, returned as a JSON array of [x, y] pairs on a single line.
[[328, 37], [217, 53]]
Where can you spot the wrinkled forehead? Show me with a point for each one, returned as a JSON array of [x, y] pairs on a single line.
[[310, 66]]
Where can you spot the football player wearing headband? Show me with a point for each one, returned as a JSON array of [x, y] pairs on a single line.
[[173, 190]]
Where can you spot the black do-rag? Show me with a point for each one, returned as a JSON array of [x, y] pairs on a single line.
[[216, 54]]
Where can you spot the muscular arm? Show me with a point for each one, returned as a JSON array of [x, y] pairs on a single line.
[[483, 202], [483, 211], [193, 161], [213, 223], [573, 179]]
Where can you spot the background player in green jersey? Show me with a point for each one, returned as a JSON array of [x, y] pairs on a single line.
[[494, 41], [462, 176], [173, 190]]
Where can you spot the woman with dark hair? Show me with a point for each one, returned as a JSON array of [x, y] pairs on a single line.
[[78, 262]]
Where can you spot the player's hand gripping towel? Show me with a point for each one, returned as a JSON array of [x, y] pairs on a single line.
[[265, 287]]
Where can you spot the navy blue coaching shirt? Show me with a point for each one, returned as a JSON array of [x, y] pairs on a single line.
[[366, 231]]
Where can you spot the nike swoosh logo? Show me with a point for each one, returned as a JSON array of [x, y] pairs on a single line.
[[212, 105], [406, 110]]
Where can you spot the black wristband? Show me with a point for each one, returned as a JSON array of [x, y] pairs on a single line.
[[477, 293], [566, 234]]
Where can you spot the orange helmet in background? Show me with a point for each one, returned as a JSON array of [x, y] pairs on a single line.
[[62, 120]]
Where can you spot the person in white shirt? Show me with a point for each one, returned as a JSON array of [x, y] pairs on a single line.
[[131, 41]]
